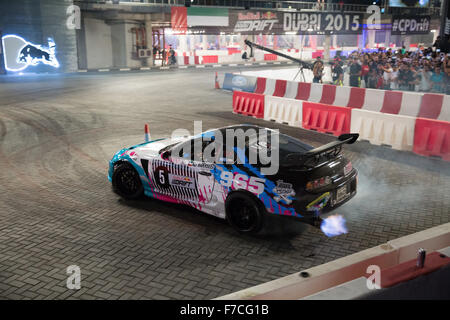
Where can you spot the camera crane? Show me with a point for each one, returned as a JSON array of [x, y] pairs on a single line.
[[302, 64]]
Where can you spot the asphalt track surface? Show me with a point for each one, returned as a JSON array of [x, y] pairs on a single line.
[[57, 134]]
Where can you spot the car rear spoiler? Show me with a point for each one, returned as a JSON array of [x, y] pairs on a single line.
[[328, 150]]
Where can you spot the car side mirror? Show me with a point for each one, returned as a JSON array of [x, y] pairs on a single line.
[[166, 155]]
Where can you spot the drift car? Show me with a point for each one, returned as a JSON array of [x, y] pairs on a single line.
[[308, 181]]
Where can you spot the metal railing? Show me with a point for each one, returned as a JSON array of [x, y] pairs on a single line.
[[260, 4]]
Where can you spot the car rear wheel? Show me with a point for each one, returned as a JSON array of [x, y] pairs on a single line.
[[126, 182], [244, 212]]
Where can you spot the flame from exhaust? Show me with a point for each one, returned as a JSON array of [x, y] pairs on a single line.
[[333, 226]]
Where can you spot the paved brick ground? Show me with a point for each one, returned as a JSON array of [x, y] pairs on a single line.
[[57, 209]]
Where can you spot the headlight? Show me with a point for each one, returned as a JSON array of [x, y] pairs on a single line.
[[318, 183]]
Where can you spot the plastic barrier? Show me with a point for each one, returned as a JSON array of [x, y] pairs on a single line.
[[275, 88], [357, 97], [373, 100], [432, 138], [328, 94], [283, 110], [270, 57], [270, 87], [326, 118], [382, 128], [392, 102], [291, 89], [210, 59], [431, 106], [260, 85], [238, 82], [410, 104], [249, 104], [316, 92], [445, 110], [342, 96], [303, 91], [280, 88]]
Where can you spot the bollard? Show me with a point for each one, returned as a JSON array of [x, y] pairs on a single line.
[[421, 255]]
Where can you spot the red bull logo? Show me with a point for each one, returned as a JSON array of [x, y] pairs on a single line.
[[19, 54]]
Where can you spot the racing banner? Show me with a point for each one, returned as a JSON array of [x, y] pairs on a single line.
[[255, 22], [411, 24], [322, 23]]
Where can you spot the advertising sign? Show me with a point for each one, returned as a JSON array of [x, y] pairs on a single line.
[[411, 24], [255, 22], [239, 82], [322, 23], [20, 54]]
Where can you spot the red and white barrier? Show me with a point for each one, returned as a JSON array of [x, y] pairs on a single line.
[[445, 110], [357, 98], [382, 128], [392, 102], [410, 104], [325, 118], [432, 138], [303, 91], [328, 94], [249, 104], [291, 89], [342, 96], [316, 92], [431, 106], [283, 110], [188, 60], [373, 100]]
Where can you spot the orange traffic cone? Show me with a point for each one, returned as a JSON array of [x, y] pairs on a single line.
[[147, 133], [217, 85]]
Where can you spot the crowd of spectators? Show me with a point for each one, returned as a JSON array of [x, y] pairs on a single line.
[[423, 70]]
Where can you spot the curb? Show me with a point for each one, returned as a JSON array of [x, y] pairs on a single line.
[[196, 66], [346, 269]]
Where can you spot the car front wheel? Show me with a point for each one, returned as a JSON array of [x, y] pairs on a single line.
[[244, 212], [126, 182]]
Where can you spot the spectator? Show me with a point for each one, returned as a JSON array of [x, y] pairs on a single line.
[[365, 70], [405, 77], [437, 80], [338, 73], [387, 70], [355, 73], [425, 79], [318, 70], [394, 78], [172, 58]]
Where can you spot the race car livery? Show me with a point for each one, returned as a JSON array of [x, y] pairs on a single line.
[[307, 183]]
